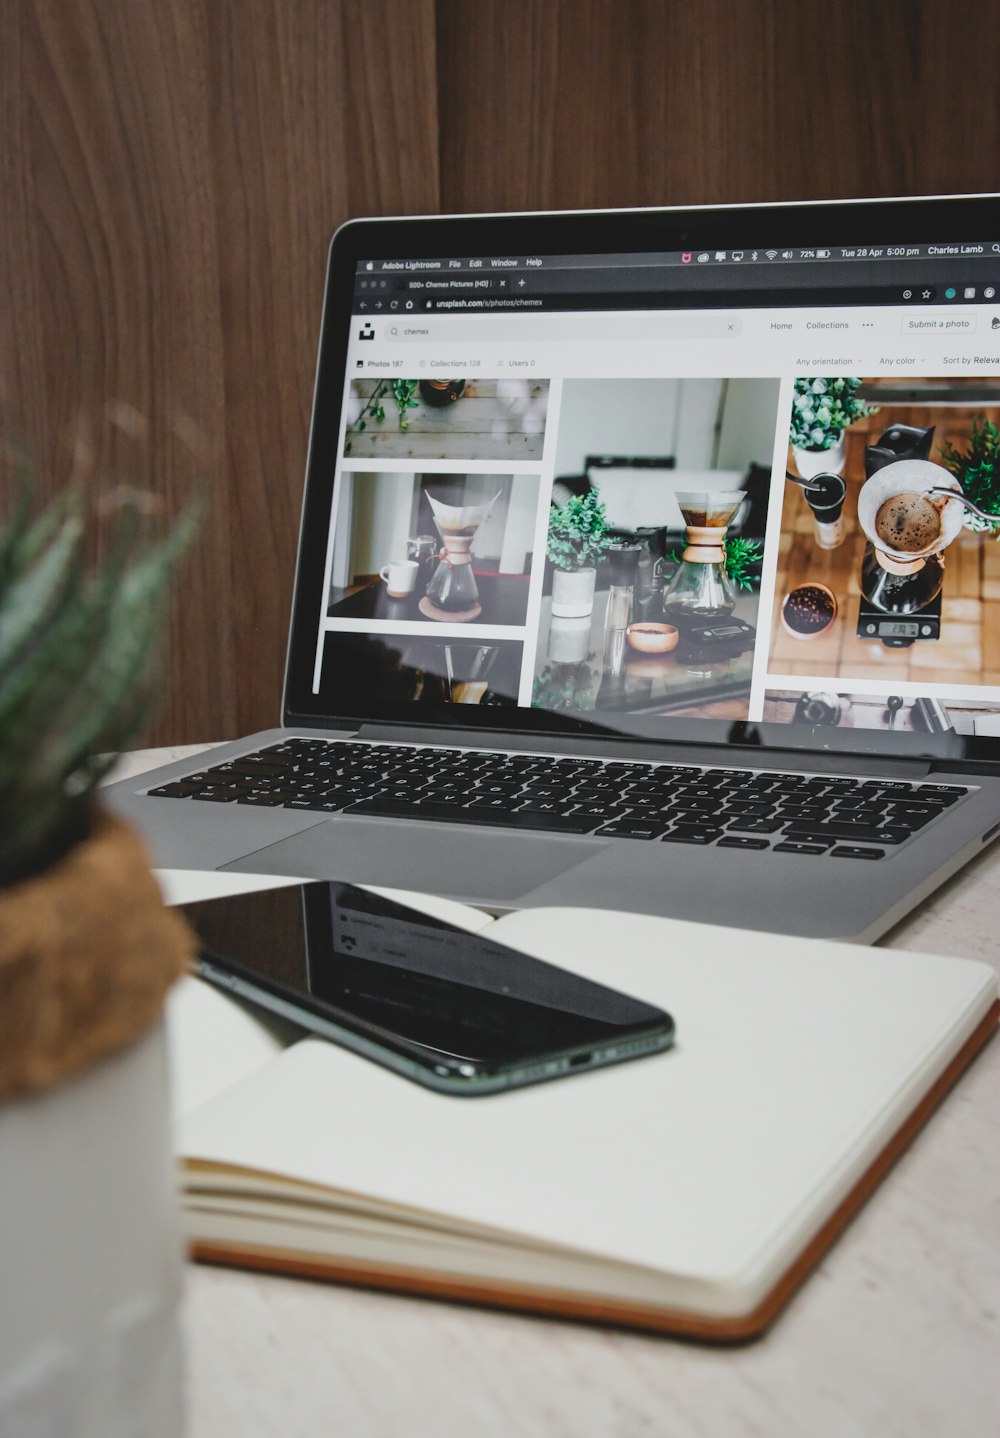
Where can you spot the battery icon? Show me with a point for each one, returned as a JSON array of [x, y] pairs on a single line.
[[822, 254]]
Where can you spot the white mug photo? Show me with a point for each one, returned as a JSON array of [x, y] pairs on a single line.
[[400, 577]]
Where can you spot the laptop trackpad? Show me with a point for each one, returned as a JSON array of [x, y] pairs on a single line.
[[487, 866]]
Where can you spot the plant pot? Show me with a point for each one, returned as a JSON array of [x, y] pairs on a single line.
[[89, 1230], [573, 592], [569, 639], [809, 462]]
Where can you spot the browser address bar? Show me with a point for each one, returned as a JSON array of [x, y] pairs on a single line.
[[527, 326]]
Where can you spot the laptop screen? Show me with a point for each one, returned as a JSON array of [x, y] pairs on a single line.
[[670, 476]]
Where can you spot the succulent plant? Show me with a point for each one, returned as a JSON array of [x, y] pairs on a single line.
[[78, 667], [823, 408]]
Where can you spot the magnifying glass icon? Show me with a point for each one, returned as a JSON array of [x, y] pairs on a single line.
[[996, 249], [394, 331]]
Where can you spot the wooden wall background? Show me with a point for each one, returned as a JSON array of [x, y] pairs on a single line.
[[171, 171]]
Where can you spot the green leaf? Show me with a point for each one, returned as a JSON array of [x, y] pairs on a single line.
[[80, 672]]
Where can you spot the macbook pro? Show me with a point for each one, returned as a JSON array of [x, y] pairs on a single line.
[[648, 561]]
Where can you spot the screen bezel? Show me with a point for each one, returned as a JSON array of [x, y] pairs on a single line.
[[913, 221]]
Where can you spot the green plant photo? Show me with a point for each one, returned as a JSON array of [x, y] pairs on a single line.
[[578, 532], [823, 408], [403, 392], [977, 470]]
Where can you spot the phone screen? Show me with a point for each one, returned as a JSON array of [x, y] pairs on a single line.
[[450, 1008]]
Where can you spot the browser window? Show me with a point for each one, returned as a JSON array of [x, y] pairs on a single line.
[[716, 485]]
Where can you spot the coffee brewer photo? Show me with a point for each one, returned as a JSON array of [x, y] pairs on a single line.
[[655, 547], [888, 567], [433, 548]]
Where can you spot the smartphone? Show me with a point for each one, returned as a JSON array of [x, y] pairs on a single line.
[[450, 1009]]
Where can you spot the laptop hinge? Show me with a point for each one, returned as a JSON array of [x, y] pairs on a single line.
[[414, 734], [983, 767], [814, 762]]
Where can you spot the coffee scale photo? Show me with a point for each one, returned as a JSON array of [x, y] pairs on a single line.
[[889, 566]]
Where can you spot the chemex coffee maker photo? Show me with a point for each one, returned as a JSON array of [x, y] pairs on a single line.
[[910, 510], [452, 593], [701, 597]]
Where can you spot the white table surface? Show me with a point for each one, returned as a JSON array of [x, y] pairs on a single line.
[[897, 1333]]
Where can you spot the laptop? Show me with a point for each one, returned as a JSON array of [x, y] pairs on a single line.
[[637, 570]]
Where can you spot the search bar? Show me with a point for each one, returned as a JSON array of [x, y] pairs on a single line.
[[533, 325]]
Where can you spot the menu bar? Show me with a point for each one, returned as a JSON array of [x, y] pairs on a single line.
[[487, 264]]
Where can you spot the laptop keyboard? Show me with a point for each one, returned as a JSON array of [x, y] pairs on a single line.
[[811, 815]]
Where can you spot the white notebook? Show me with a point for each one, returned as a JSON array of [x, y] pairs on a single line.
[[688, 1192]]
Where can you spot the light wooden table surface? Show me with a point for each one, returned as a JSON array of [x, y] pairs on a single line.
[[896, 1334]]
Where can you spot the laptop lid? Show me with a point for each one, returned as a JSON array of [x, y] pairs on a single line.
[[679, 475]]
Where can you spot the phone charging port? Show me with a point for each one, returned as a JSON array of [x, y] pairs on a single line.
[[578, 1060]]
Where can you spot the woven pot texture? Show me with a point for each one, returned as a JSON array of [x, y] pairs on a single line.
[[87, 953]]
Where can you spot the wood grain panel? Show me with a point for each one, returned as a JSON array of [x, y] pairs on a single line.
[[561, 103], [320, 112], [172, 174], [113, 272], [172, 171]]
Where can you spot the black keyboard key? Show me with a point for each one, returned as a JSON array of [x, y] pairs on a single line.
[[216, 796], [691, 834], [852, 851], [909, 811], [735, 841], [180, 790], [536, 806], [503, 818], [744, 825], [260, 801], [945, 793], [789, 847], [854, 832], [748, 810], [632, 829], [806, 814]]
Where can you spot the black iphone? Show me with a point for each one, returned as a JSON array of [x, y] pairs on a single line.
[[450, 1009]]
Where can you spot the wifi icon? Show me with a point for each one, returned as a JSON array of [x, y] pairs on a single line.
[[770, 254]]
